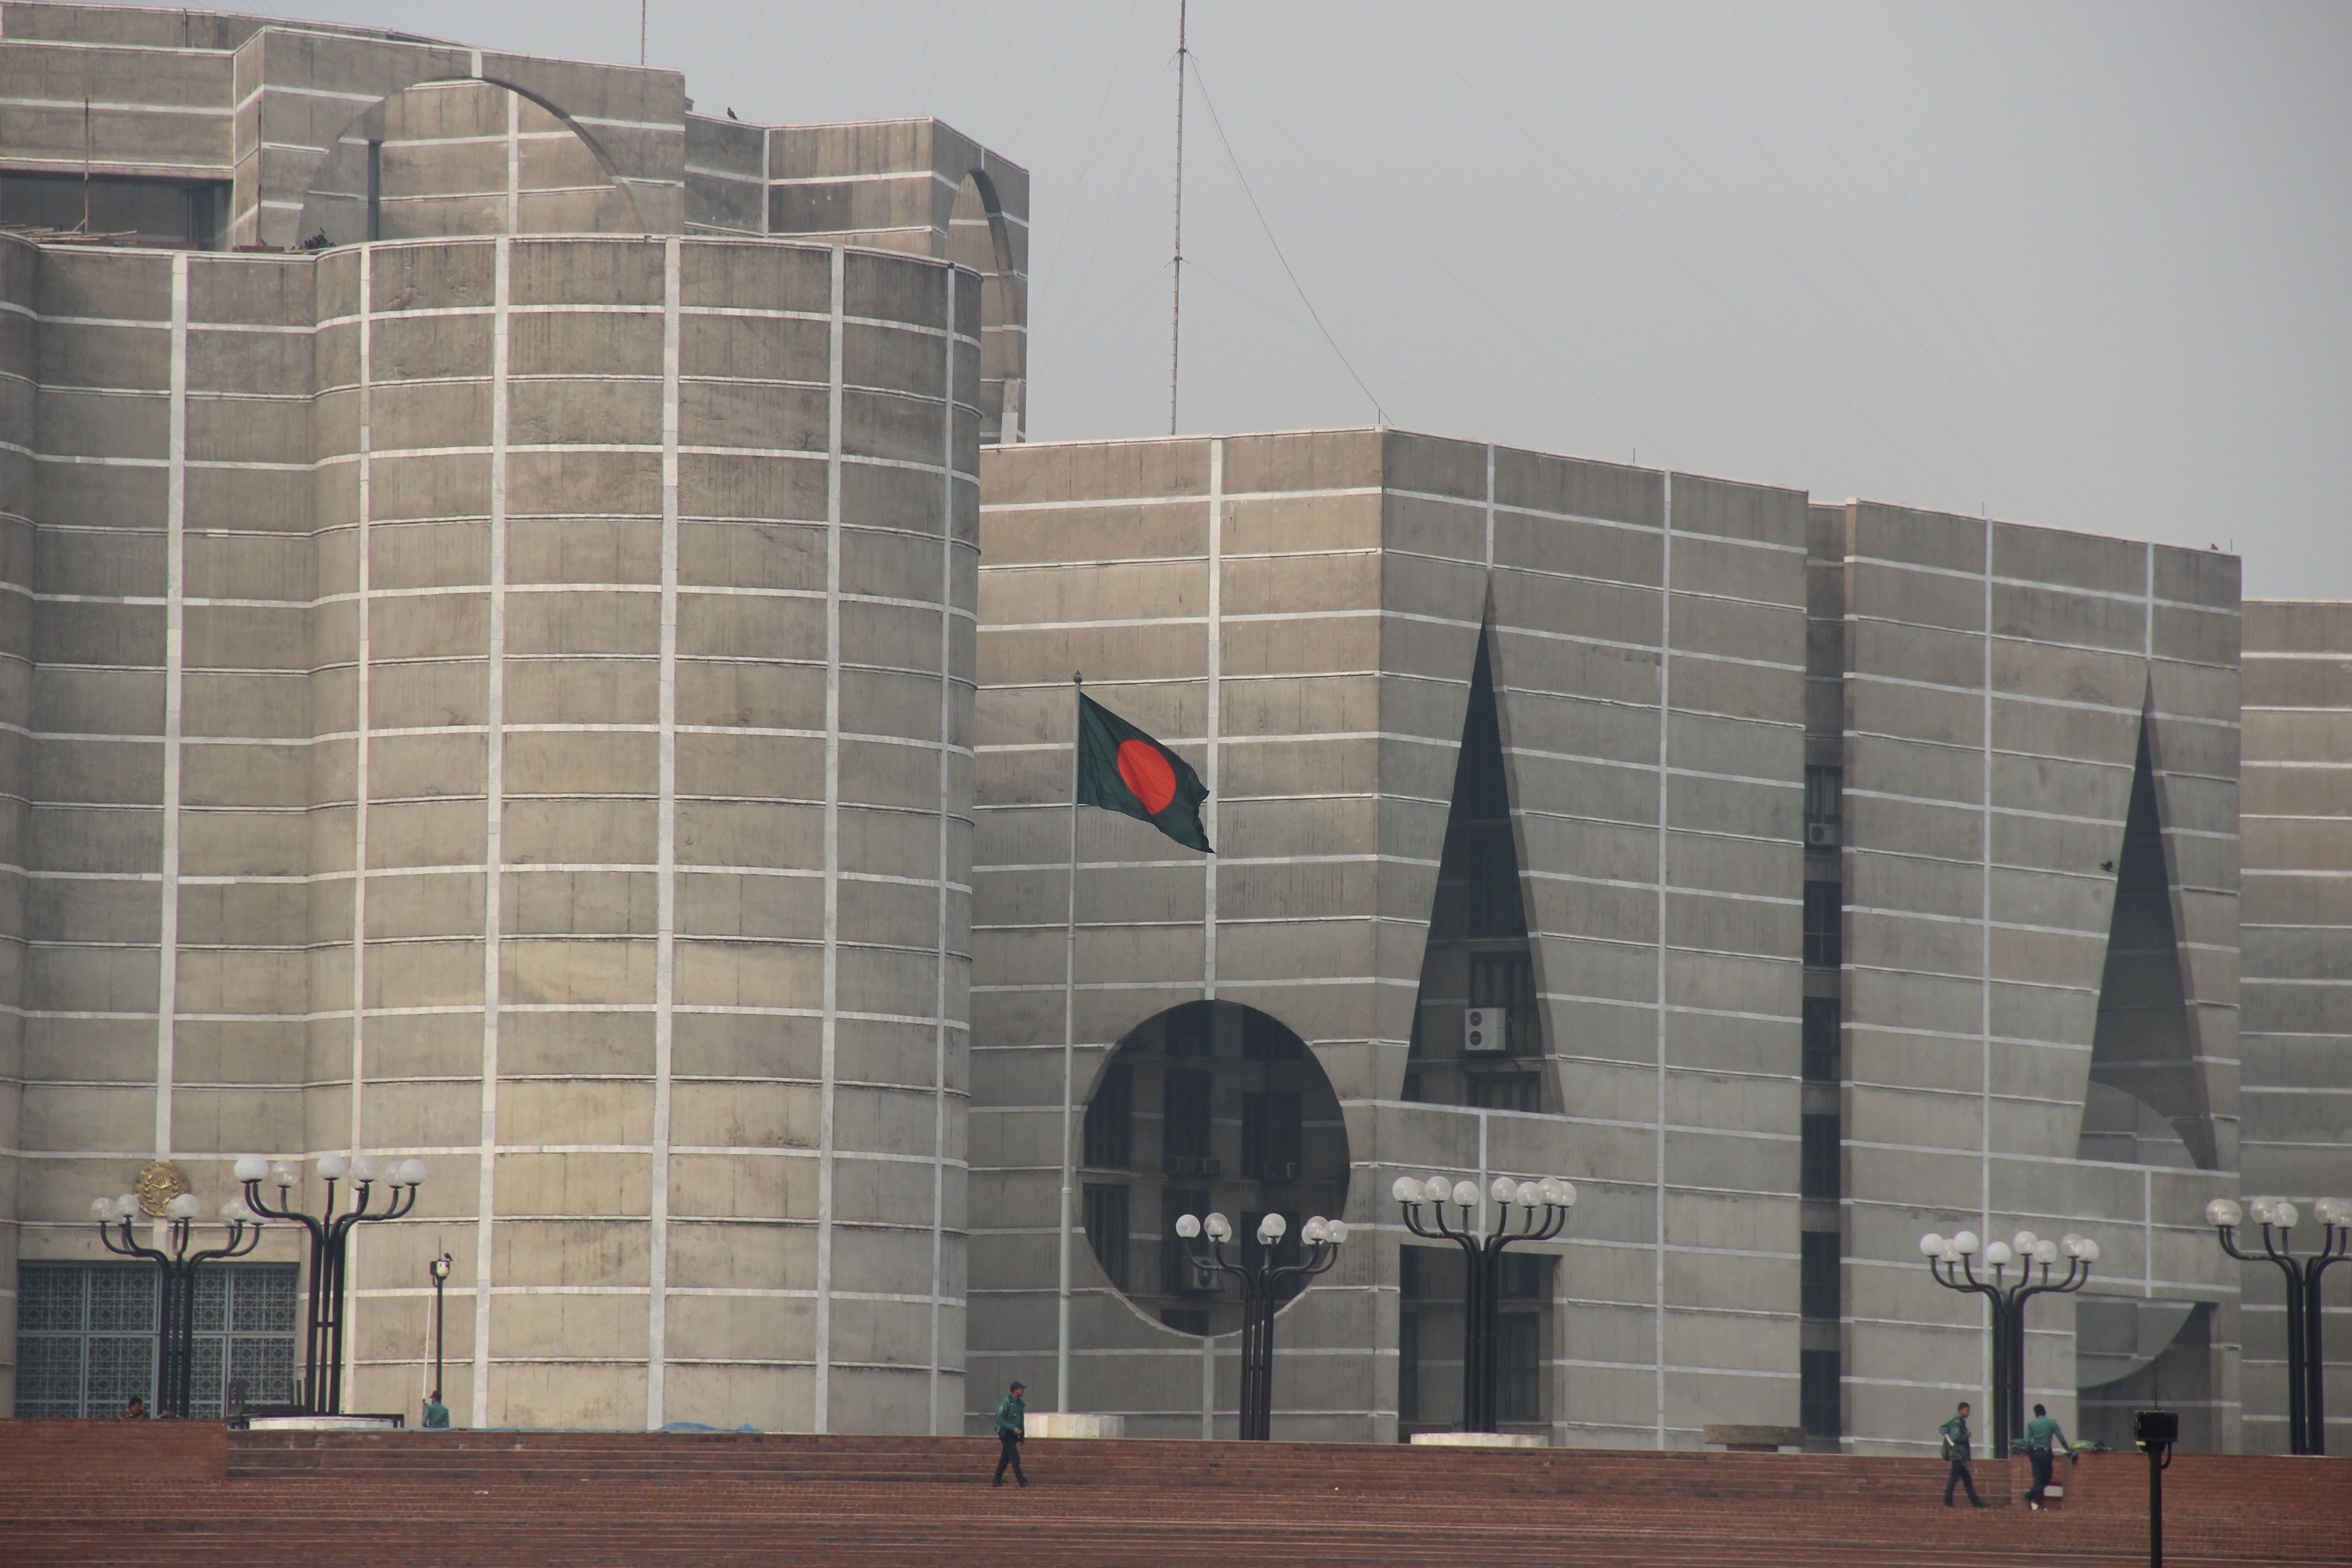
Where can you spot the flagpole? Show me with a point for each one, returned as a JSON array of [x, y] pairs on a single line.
[[1069, 1051]]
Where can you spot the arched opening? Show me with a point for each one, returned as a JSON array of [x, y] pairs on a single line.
[[1208, 1106], [446, 158], [978, 238]]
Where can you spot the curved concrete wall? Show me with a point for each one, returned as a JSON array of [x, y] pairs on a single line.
[[538, 673]]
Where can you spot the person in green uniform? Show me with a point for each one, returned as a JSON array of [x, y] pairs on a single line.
[[2038, 1434], [437, 1414], [1955, 1434], [1011, 1417]]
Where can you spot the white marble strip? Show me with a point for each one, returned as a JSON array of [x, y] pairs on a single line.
[[829, 1029], [360, 767], [175, 572], [1666, 733], [946, 784], [666, 868], [1213, 713], [494, 812]]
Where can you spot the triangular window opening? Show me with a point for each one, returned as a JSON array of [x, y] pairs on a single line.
[[1478, 1035], [2146, 1103]]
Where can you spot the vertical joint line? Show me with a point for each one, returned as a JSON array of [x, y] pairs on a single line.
[[514, 162], [175, 612], [494, 830], [665, 865], [1215, 711], [1658, 1149], [829, 1038], [947, 784]]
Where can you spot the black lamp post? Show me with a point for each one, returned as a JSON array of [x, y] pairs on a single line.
[[1542, 1212], [322, 1344], [177, 1343], [2306, 1394], [2154, 1432], [1950, 1262], [1261, 1286], [439, 1270]]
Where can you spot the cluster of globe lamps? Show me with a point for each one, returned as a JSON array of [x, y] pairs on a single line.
[[2025, 1248]]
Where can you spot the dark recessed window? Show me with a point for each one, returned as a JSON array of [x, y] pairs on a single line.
[[1522, 1367], [1409, 1365], [1494, 908], [1817, 1395], [1184, 1130], [1273, 1137], [1507, 979], [1523, 1277], [1825, 924], [1187, 1030], [1266, 1040], [1186, 1319], [1824, 795], [1818, 1274], [1105, 1210], [1821, 1040], [1111, 1119], [1817, 1176], [1178, 1275]]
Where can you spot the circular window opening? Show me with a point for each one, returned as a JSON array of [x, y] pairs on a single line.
[[1208, 1107]]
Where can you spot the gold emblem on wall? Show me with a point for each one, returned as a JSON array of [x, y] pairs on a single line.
[[159, 1181]]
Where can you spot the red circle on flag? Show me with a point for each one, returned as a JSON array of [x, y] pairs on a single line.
[[1147, 773]]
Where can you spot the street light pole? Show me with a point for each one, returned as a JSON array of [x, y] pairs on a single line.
[[176, 1344], [322, 1346], [439, 1270], [2306, 1364], [1543, 1211], [1949, 1262], [1261, 1294]]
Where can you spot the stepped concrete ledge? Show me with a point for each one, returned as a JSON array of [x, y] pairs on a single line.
[[1477, 1440], [192, 1495], [1073, 1423]]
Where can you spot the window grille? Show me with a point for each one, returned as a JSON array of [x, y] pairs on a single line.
[[87, 1337], [1522, 1367]]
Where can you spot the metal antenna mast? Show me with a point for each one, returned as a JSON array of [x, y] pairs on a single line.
[[1176, 303]]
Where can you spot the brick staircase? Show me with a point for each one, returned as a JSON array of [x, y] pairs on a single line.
[[192, 1493]]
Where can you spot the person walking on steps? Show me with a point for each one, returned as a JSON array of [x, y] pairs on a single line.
[[2038, 1432], [1956, 1450], [1011, 1415]]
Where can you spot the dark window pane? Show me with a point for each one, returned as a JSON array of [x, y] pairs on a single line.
[[1184, 1132], [1818, 1274], [1409, 1273], [1822, 1150], [1264, 1039], [1111, 1119], [1824, 794], [1821, 1040], [1186, 1319], [266, 1368], [1273, 1136], [1824, 920], [119, 1366], [1818, 1375], [212, 1300], [1188, 1031], [263, 1297], [1494, 908], [1106, 1216], [48, 1375], [1522, 1367], [1523, 1277], [1506, 1091]]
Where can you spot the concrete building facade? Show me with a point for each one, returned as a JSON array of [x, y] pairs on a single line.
[[498, 689], [530, 640]]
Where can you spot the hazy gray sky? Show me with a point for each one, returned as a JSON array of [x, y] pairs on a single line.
[[2088, 264]]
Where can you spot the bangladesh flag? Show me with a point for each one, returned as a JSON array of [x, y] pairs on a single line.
[[1120, 768]]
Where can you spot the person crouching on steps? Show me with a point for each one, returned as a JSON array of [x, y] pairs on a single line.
[[1011, 1415], [2038, 1434], [1955, 1434]]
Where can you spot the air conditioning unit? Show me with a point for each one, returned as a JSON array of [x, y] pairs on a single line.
[[1820, 836], [1486, 1030], [1195, 1277], [1281, 1171]]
